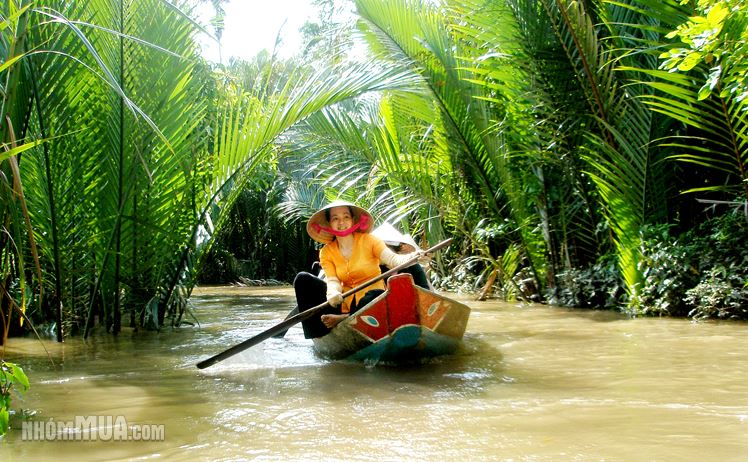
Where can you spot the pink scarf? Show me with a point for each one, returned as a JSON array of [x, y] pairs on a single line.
[[363, 224]]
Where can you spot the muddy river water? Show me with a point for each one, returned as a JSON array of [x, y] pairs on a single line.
[[531, 383]]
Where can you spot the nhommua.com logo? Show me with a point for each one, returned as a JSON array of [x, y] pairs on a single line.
[[91, 428]]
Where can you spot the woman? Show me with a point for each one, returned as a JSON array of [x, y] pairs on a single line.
[[350, 257]]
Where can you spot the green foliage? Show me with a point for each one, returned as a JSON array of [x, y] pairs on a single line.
[[256, 242], [713, 37], [669, 269], [721, 294], [325, 38], [12, 379], [597, 286], [701, 84], [468, 127], [126, 208], [535, 113], [722, 257], [220, 266], [702, 274], [461, 276], [20, 268], [541, 133], [110, 203]]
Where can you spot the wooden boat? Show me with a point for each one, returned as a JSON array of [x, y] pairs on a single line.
[[405, 323]]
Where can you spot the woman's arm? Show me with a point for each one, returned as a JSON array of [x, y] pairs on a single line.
[[334, 286], [334, 291], [392, 259]]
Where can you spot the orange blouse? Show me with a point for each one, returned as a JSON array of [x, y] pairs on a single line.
[[363, 265]]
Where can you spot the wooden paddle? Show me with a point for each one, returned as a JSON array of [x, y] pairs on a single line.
[[306, 314], [282, 333]]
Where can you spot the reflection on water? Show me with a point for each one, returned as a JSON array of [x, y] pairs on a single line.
[[530, 383]]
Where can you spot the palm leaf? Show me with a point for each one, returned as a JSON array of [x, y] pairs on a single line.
[[417, 34], [247, 132]]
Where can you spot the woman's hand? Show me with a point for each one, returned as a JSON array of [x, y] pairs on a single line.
[[335, 299]]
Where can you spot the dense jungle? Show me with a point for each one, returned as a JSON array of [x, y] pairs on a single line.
[[586, 154]]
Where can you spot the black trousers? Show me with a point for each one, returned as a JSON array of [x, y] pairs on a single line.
[[419, 275], [312, 291]]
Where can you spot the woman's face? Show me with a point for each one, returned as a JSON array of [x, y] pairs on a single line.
[[340, 218]]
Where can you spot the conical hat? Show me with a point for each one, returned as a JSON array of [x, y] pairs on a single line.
[[391, 236], [320, 218]]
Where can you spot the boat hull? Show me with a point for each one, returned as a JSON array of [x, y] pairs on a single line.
[[405, 323]]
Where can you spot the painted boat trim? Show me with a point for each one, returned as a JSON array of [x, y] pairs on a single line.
[[407, 343], [404, 323]]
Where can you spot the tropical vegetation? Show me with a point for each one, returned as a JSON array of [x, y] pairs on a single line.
[[12, 380], [584, 153]]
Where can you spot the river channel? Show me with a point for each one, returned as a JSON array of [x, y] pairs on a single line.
[[531, 383]]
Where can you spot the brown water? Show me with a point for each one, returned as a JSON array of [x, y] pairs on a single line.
[[531, 384]]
